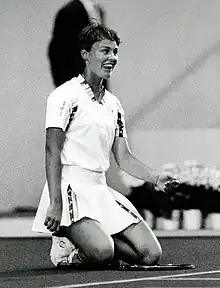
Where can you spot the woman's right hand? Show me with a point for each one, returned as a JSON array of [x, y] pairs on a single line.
[[53, 217]]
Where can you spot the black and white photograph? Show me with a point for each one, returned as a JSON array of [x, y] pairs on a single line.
[[110, 134]]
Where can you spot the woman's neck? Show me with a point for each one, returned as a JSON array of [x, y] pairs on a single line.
[[94, 82]]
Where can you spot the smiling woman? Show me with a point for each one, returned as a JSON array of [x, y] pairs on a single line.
[[101, 56], [89, 221]]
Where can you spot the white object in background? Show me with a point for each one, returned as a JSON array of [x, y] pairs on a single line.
[[169, 224], [208, 222], [192, 219], [214, 220], [148, 217]]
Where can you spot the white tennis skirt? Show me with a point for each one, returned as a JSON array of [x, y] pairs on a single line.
[[85, 193]]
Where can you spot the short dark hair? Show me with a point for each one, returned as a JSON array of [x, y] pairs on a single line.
[[95, 32]]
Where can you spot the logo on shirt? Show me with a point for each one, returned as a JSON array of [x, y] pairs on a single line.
[[62, 107]]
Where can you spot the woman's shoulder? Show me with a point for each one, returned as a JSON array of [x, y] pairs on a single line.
[[68, 88], [112, 98]]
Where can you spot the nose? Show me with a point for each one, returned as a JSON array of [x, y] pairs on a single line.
[[113, 57]]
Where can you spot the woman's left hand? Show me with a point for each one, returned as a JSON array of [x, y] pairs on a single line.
[[166, 183]]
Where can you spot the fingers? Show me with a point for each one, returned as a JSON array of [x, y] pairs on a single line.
[[55, 226], [174, 183], [171, 185], [47, 219], [166, 178], [52, 225]]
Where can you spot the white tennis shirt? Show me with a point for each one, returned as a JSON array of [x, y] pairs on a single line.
[[90, 126]]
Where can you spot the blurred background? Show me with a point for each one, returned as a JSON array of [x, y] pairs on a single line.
[[167, 80]]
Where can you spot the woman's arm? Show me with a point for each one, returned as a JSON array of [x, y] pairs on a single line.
[[133, 166], [55, 138], [130, 164]]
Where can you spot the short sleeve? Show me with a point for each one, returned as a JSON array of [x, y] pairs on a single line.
[[60, 111], [120, 126]]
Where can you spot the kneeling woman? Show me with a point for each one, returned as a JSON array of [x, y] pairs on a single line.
[[89, 221]]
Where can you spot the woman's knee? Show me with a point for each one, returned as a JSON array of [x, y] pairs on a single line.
[[145, 243], [92, 241], [151, 255], [102, 253]]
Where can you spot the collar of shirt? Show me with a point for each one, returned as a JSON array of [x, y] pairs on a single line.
[[89, 92]]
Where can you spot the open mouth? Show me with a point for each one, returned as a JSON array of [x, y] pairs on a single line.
[[108, 66]]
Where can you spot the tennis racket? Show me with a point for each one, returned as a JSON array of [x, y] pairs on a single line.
[[128, 267]]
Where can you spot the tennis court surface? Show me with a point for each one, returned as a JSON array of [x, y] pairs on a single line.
[[25, 263]]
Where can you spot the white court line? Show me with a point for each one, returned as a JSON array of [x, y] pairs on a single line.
[[191, 279], [136, 280]]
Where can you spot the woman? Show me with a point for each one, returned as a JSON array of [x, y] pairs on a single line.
[[89, 221]]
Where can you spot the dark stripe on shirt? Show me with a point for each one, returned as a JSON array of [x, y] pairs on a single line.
[[73, 112], [128, 210], [120, 125], [70, 202]]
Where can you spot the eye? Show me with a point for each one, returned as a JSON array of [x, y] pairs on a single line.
[[115, 52], [105, 50]]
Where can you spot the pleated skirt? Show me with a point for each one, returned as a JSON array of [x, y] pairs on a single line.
[[85, 193]]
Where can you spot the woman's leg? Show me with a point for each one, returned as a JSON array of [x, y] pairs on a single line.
[[95, 246], [137, 244]]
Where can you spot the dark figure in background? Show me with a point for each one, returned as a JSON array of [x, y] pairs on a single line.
[[63, 54]]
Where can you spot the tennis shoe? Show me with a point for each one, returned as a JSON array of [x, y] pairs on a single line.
[[63, 252]]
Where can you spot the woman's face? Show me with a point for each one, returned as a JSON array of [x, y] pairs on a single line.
[[102, 58]]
